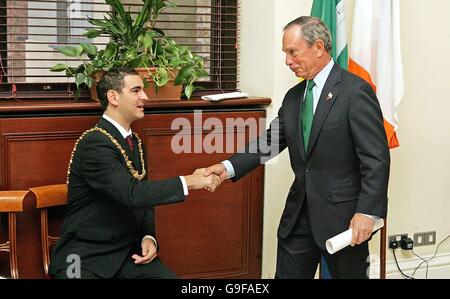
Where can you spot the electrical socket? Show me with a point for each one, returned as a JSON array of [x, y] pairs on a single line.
[[425, 238], [396, 238]]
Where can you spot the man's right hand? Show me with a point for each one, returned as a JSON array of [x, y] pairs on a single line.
[[217, 169], [198, 180]]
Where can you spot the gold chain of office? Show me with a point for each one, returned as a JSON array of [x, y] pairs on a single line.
[[129, 164]]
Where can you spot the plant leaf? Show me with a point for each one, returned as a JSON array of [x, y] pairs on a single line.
[[159, 31], [110, 50], [188, 90], [92, 33], [142, 17], [118, 7], [135, 63], [96, 22], [176, 62], [80, 79], [59, 67], [80, 50], [89, 81], [183, 74], [89, 48], [202, 73], [69, 51], [162, 77]]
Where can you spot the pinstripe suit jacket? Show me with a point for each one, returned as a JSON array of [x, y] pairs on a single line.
[[346, 167]]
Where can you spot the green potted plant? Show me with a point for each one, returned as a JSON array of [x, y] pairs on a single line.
[[135, 43]]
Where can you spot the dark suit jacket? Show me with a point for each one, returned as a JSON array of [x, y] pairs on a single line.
[[346, 167], [108, 211]]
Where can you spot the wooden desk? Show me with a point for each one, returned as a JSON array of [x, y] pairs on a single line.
[[210, 235]]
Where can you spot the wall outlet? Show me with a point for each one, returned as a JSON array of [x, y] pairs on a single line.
[[425, 238], [397, 237]]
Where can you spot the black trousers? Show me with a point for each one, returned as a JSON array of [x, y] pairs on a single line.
[[129, 270], [298, 255]]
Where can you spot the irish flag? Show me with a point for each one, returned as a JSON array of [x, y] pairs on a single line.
[[375, 56], [332, 13]]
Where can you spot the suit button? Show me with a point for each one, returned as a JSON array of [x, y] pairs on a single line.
[[307, 170]]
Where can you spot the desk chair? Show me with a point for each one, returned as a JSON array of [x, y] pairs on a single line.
[[11, 202], [49, 196]]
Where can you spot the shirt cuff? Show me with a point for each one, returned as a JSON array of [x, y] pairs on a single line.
[[376, 218], [185, 188], [230, 169], [151, 238]]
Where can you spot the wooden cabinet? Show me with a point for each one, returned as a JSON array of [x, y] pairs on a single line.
[[210, 235]]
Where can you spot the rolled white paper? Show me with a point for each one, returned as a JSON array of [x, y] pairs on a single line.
[[345, 238]]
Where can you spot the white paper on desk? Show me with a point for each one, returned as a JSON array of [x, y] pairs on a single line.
[[344, 239], [224, 96]]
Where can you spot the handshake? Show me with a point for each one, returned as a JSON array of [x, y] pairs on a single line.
[[207, 178]]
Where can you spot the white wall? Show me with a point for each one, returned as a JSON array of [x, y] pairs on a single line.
[[420, 179], [419, 189]]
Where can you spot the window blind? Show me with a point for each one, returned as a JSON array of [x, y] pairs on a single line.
[[31, 32]]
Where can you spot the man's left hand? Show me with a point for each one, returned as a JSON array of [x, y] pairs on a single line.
[[148, 252], [362, 226]]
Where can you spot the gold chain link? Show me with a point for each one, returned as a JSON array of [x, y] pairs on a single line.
[[129, 164]]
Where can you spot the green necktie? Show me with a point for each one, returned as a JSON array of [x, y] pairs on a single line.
[[307, 113]]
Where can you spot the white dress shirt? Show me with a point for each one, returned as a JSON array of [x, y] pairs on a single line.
[[320, 80]]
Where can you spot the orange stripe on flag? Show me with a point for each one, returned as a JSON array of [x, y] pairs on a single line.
[[358, 70], [391, 136]]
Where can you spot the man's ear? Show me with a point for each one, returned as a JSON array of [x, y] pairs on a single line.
[[113, 97], [320, 47]]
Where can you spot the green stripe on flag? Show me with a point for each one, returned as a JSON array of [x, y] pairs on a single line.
[[332, 13]]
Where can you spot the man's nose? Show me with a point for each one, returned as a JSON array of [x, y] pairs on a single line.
[[143, 95], [288, 60]]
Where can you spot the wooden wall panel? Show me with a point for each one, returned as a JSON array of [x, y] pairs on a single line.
[[37, 159], [36, 151], [210, 234]]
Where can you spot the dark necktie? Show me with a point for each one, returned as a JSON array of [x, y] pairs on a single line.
[[307, 113], [130, 142]]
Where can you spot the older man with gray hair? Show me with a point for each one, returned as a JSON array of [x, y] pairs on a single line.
[[332, 125]]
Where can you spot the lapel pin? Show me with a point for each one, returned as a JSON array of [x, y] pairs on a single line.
[[329, 96]]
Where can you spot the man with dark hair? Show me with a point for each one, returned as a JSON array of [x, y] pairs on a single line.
[[332, 125], [109, 224]]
